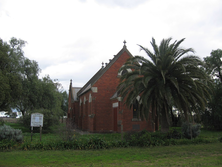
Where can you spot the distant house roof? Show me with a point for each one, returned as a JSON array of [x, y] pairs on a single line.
[[101, 71]]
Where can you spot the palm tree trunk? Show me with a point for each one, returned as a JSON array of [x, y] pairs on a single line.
[[157, 122], [165, 126], [164, 123]]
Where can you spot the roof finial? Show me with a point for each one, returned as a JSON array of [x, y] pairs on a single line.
[[124, 42], [102, 64], [70, 81]]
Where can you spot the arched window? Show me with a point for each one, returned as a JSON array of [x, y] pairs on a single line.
[[135, 109], [137, 106], [80, 102], [84, 101], [90, 98]]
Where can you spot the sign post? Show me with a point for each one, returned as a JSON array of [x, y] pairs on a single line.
[[36, 121]]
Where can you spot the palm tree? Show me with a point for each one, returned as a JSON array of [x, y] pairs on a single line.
[[170, 77]]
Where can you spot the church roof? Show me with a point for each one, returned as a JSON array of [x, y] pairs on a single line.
[[74, 93], [101, 71]]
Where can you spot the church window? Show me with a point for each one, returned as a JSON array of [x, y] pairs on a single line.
[[135, 109]]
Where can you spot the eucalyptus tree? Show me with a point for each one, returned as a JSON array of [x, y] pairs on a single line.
[[214, 64], [30, 85], [169, 77], [20, 86], [212, 117], [11, 56]]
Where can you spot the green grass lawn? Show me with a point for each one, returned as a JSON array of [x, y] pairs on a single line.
[[208, 134], [180, 155], [189, 155]]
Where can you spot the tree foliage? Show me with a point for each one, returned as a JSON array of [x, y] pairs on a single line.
[[11, 56], [20, 86], [170, 77], [64, 104], [214, 64], [212, 117]]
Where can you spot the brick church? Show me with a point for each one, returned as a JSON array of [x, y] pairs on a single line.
[[96, 107]]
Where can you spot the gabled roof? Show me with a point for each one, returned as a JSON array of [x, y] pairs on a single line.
[[74, 93], [99, 74]]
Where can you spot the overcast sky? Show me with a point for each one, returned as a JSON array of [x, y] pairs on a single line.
[[71, 38]]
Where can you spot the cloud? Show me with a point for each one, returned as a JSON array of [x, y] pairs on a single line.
[[2, 10], [70, 39], [121, 3], [80, 73]]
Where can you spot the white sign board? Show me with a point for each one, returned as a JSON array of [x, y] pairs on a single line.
[[37, 120]]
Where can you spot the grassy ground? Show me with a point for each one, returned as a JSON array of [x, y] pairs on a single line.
[[18, 126], [209, 134], [189, 155], [186, 155]]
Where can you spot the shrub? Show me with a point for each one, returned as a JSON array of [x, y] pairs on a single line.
[[7, 144], [145, 138], [159, 135], [128, 135], [6, 132], [190, 130], [96, 143], [136, 138], [66, 132], [174, 134]]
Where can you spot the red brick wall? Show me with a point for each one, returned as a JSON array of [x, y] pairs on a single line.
[[107, 85], [101, 105]]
